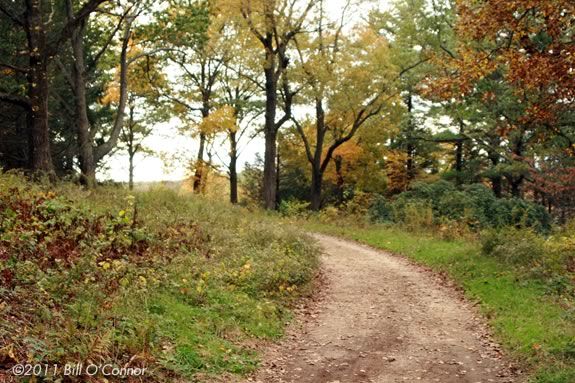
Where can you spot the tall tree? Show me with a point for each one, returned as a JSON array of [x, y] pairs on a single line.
[[44, 38], [275, 23], [350, 83]]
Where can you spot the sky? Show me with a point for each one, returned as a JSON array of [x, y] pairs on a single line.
[[174, 150]]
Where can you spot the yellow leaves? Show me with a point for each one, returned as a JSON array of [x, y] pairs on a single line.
[[220, 120], [104, 265]]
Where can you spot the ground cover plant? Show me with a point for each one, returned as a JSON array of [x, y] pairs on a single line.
[[177, 284]]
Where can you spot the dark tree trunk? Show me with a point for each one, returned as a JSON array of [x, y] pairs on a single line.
[[270, 134], [494, 157], [40, 156], [233, 168], [277, 188], [459, 157], [339, 178], [516, 186], [516, 181], [496, 186], [459, 162], [316, 183], [316, 166], [459, 154], [199, 172]]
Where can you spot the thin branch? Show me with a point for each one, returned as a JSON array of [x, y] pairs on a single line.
[[14, 68], [307, 146], [104, 48], [15, 19], [15, 100]]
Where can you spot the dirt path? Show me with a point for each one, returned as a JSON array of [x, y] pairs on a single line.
[[382, 319]]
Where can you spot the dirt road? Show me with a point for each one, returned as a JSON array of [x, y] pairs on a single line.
[[382, 319]]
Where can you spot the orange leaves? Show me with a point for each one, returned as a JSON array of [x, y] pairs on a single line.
[[395, 166], [528, 42], [468, 68]]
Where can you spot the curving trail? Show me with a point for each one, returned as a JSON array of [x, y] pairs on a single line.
[[382, 319]]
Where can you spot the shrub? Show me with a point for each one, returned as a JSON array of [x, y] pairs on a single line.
[[550, 259], [293, 208], [380, 210], [520, 213], [415, 215], [515, 246], [475, 205]]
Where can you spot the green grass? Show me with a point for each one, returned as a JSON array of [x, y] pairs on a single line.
[[177, 283], [533, 326]]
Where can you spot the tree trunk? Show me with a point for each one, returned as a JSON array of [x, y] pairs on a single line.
[[516, 186], [233, 168], [277, 185], [316, 166], [132, 149], [85, 149], [459, 154], [516, 182], [40, 156], [199, 172], [105, 148], [316, 183], [459, 161], [339, 179], [496, 186], [410, 148], [494, 157], [270, 134], [131, 171]]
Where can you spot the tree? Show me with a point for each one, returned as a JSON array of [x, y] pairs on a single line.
[[240, 95], [350, 83], [146, 83], [44, 38], [417, 30], [275, 23], [198, 50], [90, 155], [532, 40]]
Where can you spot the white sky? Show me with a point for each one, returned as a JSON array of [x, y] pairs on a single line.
[[168, 141]]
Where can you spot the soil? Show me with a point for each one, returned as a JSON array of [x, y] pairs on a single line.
[[381, 318]]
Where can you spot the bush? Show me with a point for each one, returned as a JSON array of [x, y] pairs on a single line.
[[550, 259], [293, 208], [474, 206], [515, 246], [380, 210], [520, 213]]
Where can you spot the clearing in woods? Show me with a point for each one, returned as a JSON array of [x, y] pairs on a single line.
[[383, 319]]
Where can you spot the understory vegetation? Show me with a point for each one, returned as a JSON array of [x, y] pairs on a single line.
[[524, 281], [176, 284]]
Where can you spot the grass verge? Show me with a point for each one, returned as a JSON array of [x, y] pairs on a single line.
[[536, 328], [177, 284]]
